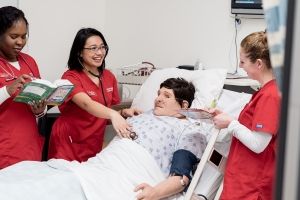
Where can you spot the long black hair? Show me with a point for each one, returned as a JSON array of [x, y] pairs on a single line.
[[183, 90], [8, 16], [75, 61]]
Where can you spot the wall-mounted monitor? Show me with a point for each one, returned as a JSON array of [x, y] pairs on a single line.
[[247, 7]]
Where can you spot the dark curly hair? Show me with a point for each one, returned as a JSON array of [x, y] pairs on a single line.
[[183, 90], [8, 16]]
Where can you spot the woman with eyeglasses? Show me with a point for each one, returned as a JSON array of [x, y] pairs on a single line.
[[19, 136], [78, 132]]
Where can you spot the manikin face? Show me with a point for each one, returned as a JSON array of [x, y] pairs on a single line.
[[165, 103], [94, 52], [13, 41], [250, 67]]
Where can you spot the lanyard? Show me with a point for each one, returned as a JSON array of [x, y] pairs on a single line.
[[9, 76]]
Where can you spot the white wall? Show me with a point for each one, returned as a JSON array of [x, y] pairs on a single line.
[[174, 32], [53, 25], [167, 33], [9, 3]]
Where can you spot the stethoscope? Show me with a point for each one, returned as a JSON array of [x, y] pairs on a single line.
[[98, 76], [9, 76], [133, 135]]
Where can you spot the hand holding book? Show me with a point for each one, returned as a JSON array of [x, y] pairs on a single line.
[[42, 90], [18, 83]]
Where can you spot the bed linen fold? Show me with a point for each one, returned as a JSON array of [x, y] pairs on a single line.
[[117, 170], [32, 180], [112, 174]]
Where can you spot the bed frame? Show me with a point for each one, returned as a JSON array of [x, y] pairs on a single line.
[[45, 125]]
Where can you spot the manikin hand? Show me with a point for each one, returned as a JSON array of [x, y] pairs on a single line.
[[147, 192], [129, 112]]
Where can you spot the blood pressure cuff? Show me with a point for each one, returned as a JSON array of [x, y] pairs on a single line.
[[183, 163]]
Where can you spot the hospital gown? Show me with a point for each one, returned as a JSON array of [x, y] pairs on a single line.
[[161, 136]]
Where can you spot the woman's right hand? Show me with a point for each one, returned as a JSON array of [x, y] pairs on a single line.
[[214, 111], [222, 120], [17, 84], [120, 125]]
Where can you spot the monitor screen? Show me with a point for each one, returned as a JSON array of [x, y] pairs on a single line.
[[247, 7]]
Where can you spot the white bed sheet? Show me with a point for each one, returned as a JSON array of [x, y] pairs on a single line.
[[112, 174], [117, 170], [30, 180]]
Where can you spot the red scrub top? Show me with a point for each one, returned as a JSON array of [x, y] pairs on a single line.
[[76, 134], [19, 136], [248, 175]]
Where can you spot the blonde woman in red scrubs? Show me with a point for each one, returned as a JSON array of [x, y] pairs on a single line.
[[19, 136], [78, 132], [249, 173]]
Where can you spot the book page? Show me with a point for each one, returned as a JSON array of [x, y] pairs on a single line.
[[34, 89], [44, 82], [59, 95], [61, 82]]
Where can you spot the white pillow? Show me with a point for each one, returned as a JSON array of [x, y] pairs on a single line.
[[208, 84]]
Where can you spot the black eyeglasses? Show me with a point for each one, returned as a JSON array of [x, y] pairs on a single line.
[[95, 49]]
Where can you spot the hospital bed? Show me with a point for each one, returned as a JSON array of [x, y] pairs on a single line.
[[209, 84], [206, 180]]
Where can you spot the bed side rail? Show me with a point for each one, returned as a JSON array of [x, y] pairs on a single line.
[[209, 148]]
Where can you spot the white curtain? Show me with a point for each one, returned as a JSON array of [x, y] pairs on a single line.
[[275, 15]]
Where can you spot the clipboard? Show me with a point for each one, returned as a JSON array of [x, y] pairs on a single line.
[[196, 113]]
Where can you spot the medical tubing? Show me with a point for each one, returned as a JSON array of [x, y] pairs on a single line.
[[191, 123]]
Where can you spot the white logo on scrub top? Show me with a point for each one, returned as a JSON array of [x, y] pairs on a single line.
[[259, 126], [91, 93], [110, 89]]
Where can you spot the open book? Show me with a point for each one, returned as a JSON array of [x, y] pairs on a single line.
[[39, 89], [195, 113]]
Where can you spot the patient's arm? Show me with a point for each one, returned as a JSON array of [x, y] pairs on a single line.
[[182, 164], [172, 185]]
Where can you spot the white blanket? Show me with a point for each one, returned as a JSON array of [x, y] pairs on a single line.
[[30, 180], [117, 170], [112, 174]]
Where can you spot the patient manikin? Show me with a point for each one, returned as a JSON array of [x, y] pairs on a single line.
[[132, 169], [161, 136], [162, 132]]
